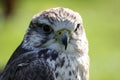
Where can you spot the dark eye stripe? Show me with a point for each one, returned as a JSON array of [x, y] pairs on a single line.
[[78, 25]]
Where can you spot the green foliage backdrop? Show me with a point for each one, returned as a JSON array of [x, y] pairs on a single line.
[[102, 23]]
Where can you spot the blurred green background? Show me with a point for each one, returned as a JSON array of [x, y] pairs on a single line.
[[101, 20]]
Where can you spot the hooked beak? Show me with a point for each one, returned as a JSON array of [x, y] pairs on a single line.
[[65, 39]]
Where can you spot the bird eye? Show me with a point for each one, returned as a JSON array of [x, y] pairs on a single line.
[[78, 25], [46, 28]]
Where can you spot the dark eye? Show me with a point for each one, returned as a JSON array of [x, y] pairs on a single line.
[[78, 25], [46, 28]]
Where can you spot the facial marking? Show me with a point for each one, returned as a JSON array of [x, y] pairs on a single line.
[[57, 19]]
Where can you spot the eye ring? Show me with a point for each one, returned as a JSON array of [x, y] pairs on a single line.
[[46, 28]]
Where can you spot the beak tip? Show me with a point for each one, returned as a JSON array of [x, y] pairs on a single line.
[[65, 44], [65, 40]]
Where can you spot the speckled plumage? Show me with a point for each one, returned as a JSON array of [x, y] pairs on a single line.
[[54, 48]]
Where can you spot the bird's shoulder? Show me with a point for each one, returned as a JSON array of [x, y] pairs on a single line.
[[31, 65]]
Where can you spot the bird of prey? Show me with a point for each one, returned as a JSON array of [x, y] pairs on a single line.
[[54, 47]]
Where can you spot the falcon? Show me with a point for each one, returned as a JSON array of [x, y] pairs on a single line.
[[54, 47]]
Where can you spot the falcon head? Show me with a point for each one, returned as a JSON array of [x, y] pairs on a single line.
[[60, 29]]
